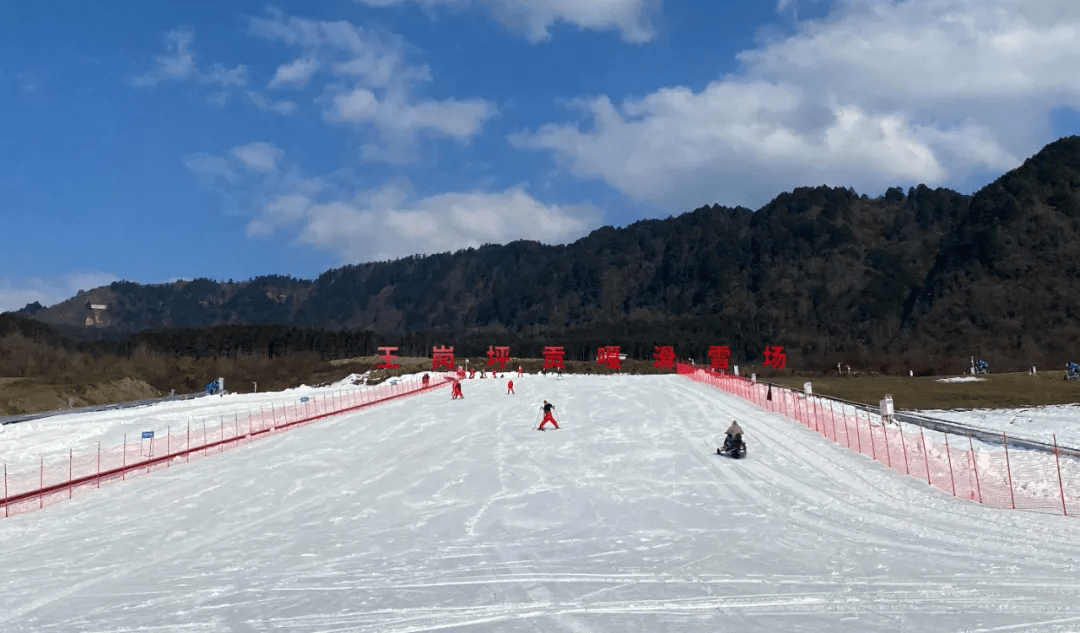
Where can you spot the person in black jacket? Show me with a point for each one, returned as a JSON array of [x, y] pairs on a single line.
[[548, 417]]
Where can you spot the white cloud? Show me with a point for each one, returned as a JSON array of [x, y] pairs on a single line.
[[294, 75], [178, 64], [533, 18], [331, 214], [15, 293], [388, 223], [211, 166], [400, 122], [375, 88], [269, 105], [258, 156], [878, 93]]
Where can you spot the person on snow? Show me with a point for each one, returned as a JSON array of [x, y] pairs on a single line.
[[548, 417], [426, 380], [519, 371], [455, 390], [509, 387], [733, 435]]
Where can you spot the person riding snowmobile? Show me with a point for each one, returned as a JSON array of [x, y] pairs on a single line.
[[733, 437]]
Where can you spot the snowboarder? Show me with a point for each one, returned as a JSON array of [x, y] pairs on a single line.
[[548, 417], [509, 387]]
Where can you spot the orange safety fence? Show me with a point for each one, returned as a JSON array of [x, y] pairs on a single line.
[[1005, 477], [60, 477]]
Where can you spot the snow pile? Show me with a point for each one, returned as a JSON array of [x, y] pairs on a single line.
[[962, 379]]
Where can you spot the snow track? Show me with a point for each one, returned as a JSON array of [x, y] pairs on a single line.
[[429, 514]]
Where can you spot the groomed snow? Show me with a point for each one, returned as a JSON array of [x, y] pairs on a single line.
[[426, 514], [1041, 423]]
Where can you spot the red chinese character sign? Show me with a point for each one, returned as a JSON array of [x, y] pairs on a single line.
[[553, 357], [387, 357], [608, 356], [498, 355], [718, 357], [775, 357], [665, 356], [442, 357]]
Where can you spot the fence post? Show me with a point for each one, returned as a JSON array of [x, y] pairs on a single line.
[[975, 465], [204, 437], [41, 484], [123, 461], [885, 434], [187, 452], [870, 427], [858, 436], [903, 447], [1008, 469], [948, 455], [1061, 486], [98, 478], [221, 432], [70, 457], [926, 456], [832, 418], [5, 491], [168, 445]]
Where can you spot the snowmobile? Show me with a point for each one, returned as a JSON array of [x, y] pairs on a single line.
[[734, 446]]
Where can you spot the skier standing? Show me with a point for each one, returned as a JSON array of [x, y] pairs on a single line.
[[509, 387], [548, 417], [455, 391]]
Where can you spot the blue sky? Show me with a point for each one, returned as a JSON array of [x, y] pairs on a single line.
[[150, 141]]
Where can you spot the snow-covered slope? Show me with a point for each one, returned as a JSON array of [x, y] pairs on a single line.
[[427, 514]]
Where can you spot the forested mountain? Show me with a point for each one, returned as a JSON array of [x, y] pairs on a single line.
[[916, 280]]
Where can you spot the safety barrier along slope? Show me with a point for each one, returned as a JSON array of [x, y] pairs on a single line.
[[1019, 479], [56, 479]]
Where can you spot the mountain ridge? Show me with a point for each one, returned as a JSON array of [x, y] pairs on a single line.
[[908, 280]]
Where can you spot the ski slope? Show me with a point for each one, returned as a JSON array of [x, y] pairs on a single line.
[[426, 514]]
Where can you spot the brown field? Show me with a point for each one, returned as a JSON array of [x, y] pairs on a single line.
[[925, 392]]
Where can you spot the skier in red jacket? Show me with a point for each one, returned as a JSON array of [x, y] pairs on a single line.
[[509, 387]]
